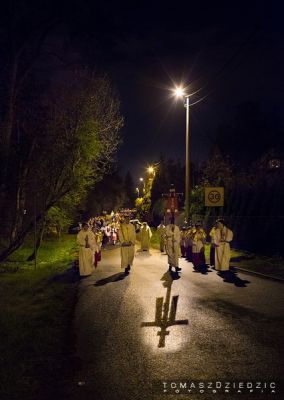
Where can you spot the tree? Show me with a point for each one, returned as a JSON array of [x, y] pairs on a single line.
[[129, 189], [250, 134], [217, 170], [68, 146], [106, 195], [21, 40]]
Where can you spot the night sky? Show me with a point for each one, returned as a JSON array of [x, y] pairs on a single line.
[[232, 52]]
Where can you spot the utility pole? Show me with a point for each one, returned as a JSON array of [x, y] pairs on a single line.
[[187, 161]]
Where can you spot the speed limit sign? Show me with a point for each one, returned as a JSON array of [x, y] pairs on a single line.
[[214, 196]]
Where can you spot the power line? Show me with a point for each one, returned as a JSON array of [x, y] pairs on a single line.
[[224, 68]]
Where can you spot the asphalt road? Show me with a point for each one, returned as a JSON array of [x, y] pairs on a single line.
[[139, 335]]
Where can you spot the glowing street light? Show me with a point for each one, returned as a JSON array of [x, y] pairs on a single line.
[[180, 92], [150, 170], [141, 179]]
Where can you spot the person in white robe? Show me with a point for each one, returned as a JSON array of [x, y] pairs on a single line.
[[127, 238], [161, 234], [172, 237], [222, 239], [85, 240], [145, 237]]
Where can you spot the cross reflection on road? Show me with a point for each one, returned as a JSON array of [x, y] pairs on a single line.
[[166, 309]]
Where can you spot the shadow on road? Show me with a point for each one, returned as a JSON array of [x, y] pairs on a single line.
[[70, 275], [113, 278], [202, 269], [232, 277], [166, 309]]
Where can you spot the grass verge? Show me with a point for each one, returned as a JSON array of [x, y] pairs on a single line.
[[273, 266], [36, 310]]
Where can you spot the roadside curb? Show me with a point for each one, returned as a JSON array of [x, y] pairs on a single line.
[[260, 275]]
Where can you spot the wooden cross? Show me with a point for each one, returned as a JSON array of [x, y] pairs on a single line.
[[172, 202]]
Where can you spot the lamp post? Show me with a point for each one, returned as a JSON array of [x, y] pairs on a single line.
[[180, 93], [187, 161]]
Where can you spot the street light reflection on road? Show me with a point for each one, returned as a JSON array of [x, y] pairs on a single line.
[[165, 317]]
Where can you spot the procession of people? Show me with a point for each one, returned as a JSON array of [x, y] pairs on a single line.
[[186, 242], [95, 234], [127, 237], [194, 238]]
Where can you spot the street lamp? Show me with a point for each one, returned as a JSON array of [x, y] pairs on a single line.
[[179, 92], [137, 191], [151, 174]]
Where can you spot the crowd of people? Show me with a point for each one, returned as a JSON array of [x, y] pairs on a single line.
[[108, 226], [94, 234], [187, 242]]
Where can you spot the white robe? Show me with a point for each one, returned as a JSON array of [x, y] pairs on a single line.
[[198, 240], [172, 234], [145, 235], [161, 232], [127, 234], [222, 250], [86, 255]]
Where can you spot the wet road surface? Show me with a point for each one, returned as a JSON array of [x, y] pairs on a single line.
[[135, 332]]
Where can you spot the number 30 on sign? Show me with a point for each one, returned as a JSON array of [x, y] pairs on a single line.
[[214, 197]]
